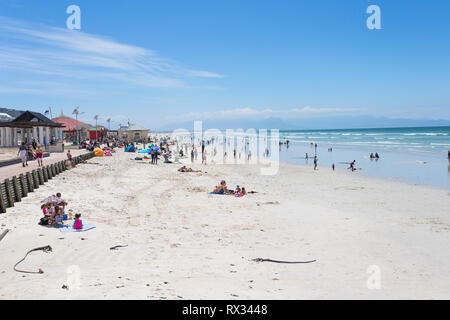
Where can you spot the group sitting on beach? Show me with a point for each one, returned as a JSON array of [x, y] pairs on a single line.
[[222, 189], [54, 213], [53, 209]]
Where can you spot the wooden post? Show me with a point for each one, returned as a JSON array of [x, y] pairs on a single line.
[[35, 176], [53, 170], [24, 185], [45, 174], [17, 190], [30, 182], [41, 176], [3, 198], [9, 193], [49, 173]]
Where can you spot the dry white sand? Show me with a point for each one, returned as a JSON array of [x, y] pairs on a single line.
[[185, 244]]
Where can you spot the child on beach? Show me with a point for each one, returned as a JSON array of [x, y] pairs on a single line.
[[78, 224], [39, 155]]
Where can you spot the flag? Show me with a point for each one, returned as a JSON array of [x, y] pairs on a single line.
[[46, 112]]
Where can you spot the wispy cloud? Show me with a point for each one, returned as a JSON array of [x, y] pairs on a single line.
[[69, 54], [239, 113]]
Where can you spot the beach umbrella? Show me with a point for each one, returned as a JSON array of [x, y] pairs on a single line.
[[49, 199]]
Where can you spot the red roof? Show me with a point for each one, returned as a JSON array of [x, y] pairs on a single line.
[[70, 124]]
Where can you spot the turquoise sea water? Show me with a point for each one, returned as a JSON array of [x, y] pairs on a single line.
[[433, 141], [412, 155]]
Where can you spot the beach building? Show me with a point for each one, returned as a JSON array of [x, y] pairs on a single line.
[[98, 133], [133, 132], [17, 126], [71, 127]]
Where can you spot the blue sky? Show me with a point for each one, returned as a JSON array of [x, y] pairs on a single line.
[[177, 61]]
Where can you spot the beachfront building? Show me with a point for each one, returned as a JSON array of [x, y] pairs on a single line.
[[133, 132], [17, 126], [97, 134], [72, 127]]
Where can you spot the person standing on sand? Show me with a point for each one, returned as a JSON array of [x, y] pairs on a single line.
[[204, 157], [192, 156], [34, 144], [315, 163]]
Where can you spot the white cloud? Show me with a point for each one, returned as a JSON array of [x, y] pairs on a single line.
[[69, 54], [239, 113]]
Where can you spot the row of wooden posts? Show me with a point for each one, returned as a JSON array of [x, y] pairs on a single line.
[[14, 189]]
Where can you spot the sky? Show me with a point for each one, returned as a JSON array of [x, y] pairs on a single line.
[[156, 62]]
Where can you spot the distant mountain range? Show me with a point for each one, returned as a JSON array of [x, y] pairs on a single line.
[[341, 122]]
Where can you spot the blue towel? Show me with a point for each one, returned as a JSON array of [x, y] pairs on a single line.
[[70, 228]]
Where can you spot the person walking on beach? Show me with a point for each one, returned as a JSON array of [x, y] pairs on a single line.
[[23, 153], [315, 163], [352, 165], [39, 155], [192, 156], [204, 157]]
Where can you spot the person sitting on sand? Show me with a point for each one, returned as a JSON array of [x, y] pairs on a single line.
[[166, 158], [60, 203], [221, 188], [185, 169], [78, 224], [240, 192], [56, 217]]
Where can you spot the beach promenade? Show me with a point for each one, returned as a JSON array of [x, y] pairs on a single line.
[[16, 169]]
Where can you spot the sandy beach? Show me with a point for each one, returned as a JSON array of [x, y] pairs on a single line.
[[182, 243]]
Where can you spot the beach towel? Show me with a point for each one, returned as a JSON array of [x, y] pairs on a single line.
[[70, 228], [130, 149], [221, 194]]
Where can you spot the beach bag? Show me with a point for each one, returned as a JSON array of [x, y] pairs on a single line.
[[44, 222]]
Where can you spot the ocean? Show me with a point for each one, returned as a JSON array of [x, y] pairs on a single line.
[[412, 155], [416, 156]]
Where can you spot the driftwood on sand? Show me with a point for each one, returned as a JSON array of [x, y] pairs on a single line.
[[3, 234], [276, 261]]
